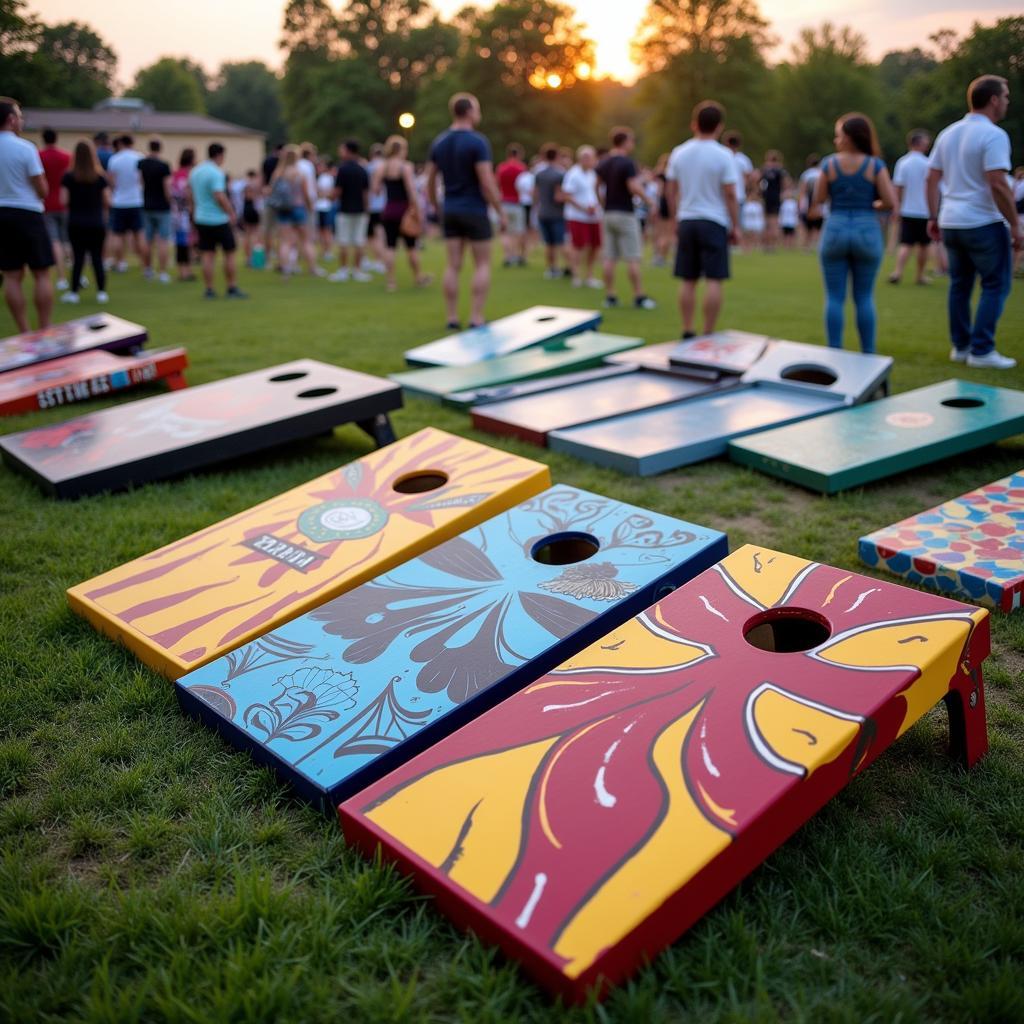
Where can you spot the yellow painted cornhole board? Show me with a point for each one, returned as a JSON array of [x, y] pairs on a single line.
[[202, 596]]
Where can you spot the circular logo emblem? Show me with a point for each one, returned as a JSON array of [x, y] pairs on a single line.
[[349, 519], [910, 419]]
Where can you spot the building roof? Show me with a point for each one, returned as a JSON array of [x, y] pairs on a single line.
[[141, 122]]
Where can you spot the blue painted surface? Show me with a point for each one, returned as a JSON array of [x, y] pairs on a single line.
[[338, 697], [502, 337], [677, 435]]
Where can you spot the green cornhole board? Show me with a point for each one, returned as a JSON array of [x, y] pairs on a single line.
[[869, 442], [451, 383]]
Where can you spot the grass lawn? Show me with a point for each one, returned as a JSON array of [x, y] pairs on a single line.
[[150, 872]]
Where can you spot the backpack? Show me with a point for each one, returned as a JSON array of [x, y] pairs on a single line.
[[280, 197]]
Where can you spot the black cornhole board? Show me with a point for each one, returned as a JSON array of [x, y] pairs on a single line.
[[179, 432], [86, 334]]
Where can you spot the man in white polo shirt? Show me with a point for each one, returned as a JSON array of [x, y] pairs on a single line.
[[23, 236], [977, 220], [909, 176], [702, 180]]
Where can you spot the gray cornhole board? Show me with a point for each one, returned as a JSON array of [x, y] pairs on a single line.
[[853, 377], [658, 440], [532, 418], [522, 388], [501, 337], [658, 359], [725, 351]]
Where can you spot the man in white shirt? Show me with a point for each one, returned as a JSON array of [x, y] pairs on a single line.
[[977, 220], [702, 180], [125, 203], [910, 177], [23, 236], [582, 216]]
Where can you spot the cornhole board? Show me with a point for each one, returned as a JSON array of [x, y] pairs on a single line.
[[853, 376], [533, 417], [592, 817], [657, 440], [519, 389], [167, 435], [503, 337], [725, 351], [87, 375], [355, 687], [201, 597], [972, 546], [577, 352], [893, 435], [100, 331], [658, 359]]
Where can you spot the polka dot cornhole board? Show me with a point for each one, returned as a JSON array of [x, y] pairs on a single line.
[[87, 375], [101, 331], [168, 435], [972, 546], [502, 337], [870, 442], [585, 822], [334, 699], [204, 595]]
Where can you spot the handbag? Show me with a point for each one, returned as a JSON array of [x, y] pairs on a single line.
[[412, 224]]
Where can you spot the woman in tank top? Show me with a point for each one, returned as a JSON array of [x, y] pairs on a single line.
[[857, 186], [394, 176]]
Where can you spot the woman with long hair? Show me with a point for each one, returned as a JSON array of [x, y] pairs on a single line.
[[402, 216], [857, 185], [289, 198], [85, 194]]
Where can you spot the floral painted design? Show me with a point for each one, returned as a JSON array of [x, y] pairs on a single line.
[[595, 580], [310, 698]]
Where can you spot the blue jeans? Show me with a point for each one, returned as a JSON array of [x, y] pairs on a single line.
[[983, 252], [851, 247]]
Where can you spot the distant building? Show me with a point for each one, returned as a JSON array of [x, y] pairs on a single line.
[[246, 147]]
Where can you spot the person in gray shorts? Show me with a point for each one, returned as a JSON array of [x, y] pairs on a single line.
[[620, 181]]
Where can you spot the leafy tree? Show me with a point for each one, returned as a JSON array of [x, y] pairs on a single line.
[[81, 66], [171, 84], [248, 93]]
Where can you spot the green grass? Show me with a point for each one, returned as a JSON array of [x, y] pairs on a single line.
[[149, 872]]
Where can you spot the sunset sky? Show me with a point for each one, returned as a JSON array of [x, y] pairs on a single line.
[[212, 31]]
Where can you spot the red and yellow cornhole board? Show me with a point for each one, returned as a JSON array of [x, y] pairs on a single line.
[[200, 597], [588, 820]]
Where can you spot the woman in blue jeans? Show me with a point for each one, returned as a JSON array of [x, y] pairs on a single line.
[[856, 184]]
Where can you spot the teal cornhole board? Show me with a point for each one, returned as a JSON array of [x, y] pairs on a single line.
[[869, 442], [658, 359], [450, 383], [658, 440], [732, 352], [533, 417], [853, 377], [502, 337], [522, 388]]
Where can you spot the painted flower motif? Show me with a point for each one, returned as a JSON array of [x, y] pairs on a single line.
[[310, 697], [595, 580]]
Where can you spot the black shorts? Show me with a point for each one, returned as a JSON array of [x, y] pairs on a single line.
[[24, 240], [474, 227], [702, 250], [371, 226], [393, 232], [789, 231], [772, 207], [914, 231], [812, 223], [125, 220], [214, 236]]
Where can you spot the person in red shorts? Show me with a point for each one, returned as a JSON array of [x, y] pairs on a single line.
[[583, 216]]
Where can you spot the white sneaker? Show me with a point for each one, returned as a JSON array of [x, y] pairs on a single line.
[[83, 282], [62, 285], [958, 355], [122, 267], [70, 297], [339, 275], [102, 298], [992, 361], [592, 282], [362, 276], [319, 271], [164, 278], [551, 274]]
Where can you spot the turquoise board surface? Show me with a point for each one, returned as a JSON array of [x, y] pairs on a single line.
[[534, 417], [853, 377], [873, 441], [522, 388], [677, 435], [503, 337], [343, 694], [576, 352]]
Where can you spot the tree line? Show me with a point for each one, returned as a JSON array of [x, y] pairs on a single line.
[[354, 69]]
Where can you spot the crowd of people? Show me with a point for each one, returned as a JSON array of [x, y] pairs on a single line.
[[951, 204]]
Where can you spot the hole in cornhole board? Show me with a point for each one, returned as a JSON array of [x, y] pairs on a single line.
[[545, 319], [963, 403], [565, 548], [97, 323], [786, 630], [294, 375], [810, 374], [317, 392], [417, 483]]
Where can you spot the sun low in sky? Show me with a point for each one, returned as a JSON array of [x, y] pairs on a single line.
[[214, 31]]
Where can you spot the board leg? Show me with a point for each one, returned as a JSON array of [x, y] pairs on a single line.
[[176, 381], [379, 428], [968, 731]]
